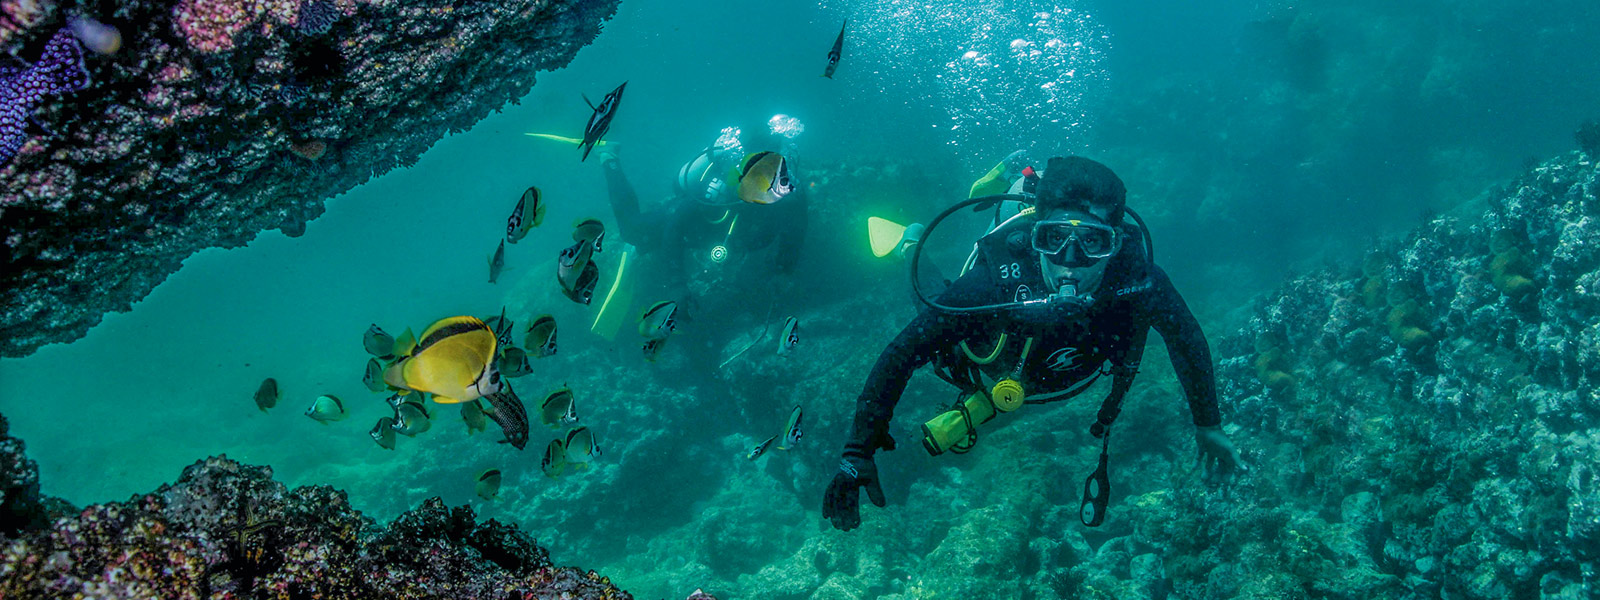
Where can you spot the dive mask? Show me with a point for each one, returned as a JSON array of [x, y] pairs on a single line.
[[1093, 240]]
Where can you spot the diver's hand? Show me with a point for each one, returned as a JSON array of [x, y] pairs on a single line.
[[1219, 459], [841, 503]]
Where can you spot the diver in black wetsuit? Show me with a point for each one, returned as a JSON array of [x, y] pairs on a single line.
[[1055, 295], [708, 227]]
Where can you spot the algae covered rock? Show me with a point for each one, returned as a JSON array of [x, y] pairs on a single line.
[[982, 555], [1441, 442], [217, 120], [227, 529]]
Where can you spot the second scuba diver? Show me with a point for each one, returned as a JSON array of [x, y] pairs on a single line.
[[727, 205], [1055, 295]]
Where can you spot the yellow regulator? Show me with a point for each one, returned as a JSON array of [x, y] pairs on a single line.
[[1007, 395]]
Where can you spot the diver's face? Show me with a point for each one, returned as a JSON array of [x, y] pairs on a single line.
[[1071, 269]]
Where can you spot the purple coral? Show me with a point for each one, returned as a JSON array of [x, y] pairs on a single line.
[[317, 16], [58, 71]]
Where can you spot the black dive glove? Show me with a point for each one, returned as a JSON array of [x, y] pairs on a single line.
[[841, 504]]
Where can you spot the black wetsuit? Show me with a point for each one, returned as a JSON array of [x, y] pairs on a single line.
[[1067, 350], [687, 225]]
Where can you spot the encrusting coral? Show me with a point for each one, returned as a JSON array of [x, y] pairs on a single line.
[[227, 530]]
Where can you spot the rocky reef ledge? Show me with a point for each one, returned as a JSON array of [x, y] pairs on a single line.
[[205, 122], [1425, 424], [227, 530]]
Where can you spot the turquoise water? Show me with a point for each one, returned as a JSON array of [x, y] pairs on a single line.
[[1255, 140]]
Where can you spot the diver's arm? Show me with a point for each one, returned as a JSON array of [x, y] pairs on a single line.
[[1124, 367], [912, 348], [1186, 344], [875, 406]]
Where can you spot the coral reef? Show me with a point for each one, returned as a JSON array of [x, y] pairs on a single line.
[[1414, 432], [1588, 136], [219, 119], [227, 530], [21, 506], [1274, 367], [1509, 266], [1442, 444]]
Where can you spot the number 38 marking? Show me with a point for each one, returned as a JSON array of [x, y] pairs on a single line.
[[1011, 271]]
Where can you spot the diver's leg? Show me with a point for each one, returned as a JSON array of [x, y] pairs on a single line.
[[625, 203]]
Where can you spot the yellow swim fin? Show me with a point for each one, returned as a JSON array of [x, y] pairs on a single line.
[[618, 306], [885, 235], [993, 182], [562, 138]]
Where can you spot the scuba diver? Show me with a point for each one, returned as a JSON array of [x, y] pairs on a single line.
[[726, 207], [1060, 291]]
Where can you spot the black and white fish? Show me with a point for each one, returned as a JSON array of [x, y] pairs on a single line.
[[761, 448], [836, 52], [528, 214], [790, 336], [791, 432], [600, 121]]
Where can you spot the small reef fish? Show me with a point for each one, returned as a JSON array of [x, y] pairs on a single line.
[[583, 292], [600, 121], [836, 52], [373, 378], [404, 345], [326, 409], [383, 433], [791, 432], [656, 324], [411, 418], [559, 408], [580, 446], [765, 178], [554, 462], [395, 400], [790, 336], [378, 343], [488, 486], [541, 338], [590, 229], [268, 394], [659, 320], [497, 262], [571, 262], [508, 412], [528, 214], [454, 361], [472, 414], [514, 362], [501, 326], [761, 448]]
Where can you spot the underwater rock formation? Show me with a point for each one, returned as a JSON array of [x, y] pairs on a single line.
[[21, 506], [1443, 442], [227, 530], [219, 119]]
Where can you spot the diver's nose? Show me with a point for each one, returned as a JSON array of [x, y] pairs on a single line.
[[1070, 257]]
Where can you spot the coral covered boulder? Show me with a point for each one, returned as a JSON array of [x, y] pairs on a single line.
[[204, 122], [227, 530], [1451, 429]]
